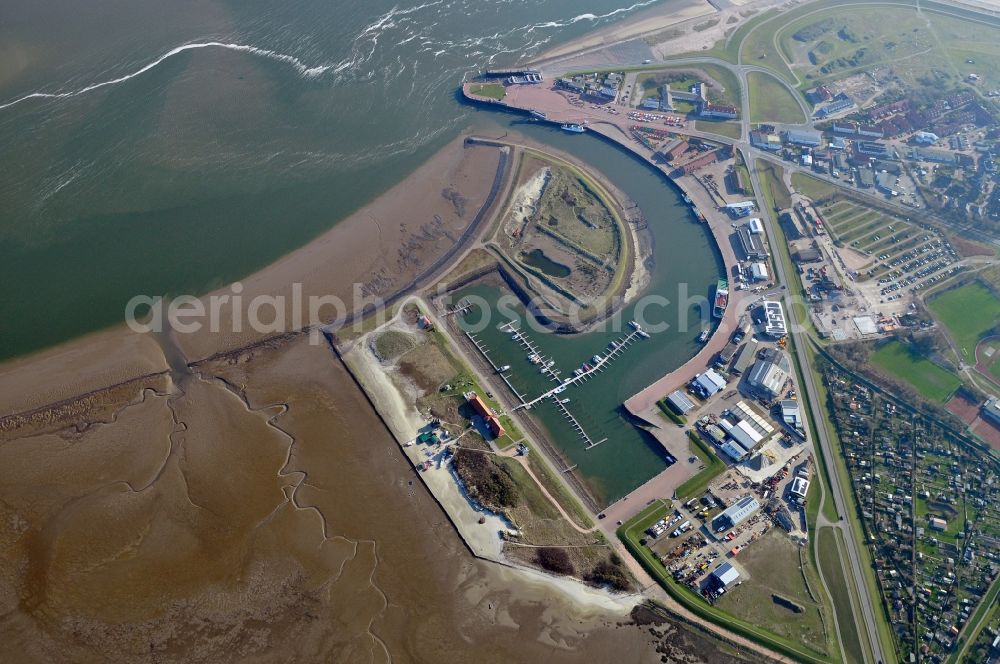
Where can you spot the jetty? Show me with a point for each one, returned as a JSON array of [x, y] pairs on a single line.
[[618, 349], [463, 306], [496, 368], [545, 364]]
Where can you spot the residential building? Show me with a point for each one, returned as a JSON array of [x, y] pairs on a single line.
[[710, 110], [489, 417]]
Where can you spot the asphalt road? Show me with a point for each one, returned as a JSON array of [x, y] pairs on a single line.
[[837, 492]]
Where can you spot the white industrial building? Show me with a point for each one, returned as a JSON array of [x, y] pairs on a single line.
[[799, 489], [743, 434], [680, 401], [774, 320], [790, 414], [741, 209], [733, 450], [736, 513], [708, 383], [725, 575], [769, 374], [758, 272]]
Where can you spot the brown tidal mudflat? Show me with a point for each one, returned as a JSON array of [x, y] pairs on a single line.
[[253, 510]]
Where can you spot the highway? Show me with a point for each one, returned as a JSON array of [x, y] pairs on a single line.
[[800, 339]]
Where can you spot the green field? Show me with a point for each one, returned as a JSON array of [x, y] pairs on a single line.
[[758, 48], [968, 312], [836, 583], [811, 187], [728, 129], [713, 466], [772, 181], [770, 101], [927, 378], [727, 90], [995, 367], [775, 567], [820, 41]]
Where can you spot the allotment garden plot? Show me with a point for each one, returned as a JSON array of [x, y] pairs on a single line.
[[929, 502]]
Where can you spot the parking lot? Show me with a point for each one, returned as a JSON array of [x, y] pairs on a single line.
[[889, 257]]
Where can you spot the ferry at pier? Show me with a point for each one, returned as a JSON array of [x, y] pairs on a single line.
[[721, 298], [573, 128]]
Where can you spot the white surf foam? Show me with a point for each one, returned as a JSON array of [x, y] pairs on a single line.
[[300, 67]]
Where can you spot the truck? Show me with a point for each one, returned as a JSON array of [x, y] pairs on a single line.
[[681, 529]]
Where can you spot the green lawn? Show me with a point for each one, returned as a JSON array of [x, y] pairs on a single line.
[[836, 583], [775, 565], [489, 90], [968, 313], [723, 128], [995, 368], [772, 181], [758, 48], [811, 187], [713, 466], [770, 101], [927, 378]]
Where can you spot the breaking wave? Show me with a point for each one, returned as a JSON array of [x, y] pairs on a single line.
[[300, 67]]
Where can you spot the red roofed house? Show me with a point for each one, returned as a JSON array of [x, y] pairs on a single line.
[[484, 411]]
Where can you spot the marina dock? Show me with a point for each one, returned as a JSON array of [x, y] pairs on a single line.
[[614, 350], [620, 346], [498, 370], [545, 364]]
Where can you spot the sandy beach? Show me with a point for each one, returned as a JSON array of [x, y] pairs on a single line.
[[645, 22]]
